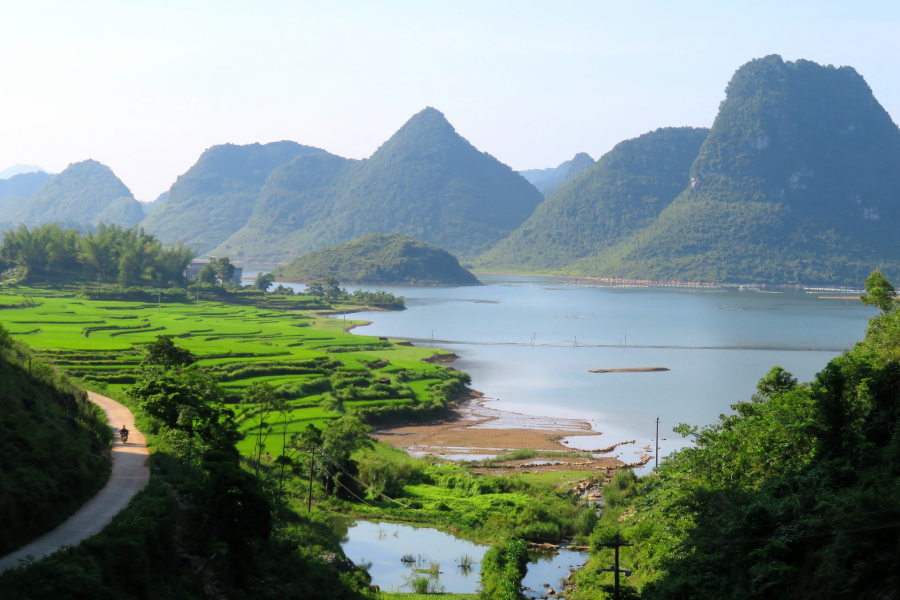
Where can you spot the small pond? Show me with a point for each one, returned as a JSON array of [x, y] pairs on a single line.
[[380, 547]]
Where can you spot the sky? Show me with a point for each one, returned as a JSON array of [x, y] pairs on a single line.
[[146, 87]]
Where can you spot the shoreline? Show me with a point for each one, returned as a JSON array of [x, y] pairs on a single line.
[[622, 281], [479, 432]]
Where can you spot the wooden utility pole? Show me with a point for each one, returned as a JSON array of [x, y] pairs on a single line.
[[312, 463], [656, 455], [617, 542]]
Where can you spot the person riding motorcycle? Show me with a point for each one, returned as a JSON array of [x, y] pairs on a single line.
[[123, 433]]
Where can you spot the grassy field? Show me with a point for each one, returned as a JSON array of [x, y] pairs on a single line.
[[309, 359]]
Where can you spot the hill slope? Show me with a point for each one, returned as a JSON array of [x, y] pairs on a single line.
[[622, 192], [426, 181], [580, 163], [217, 195], [50, 450], [15, 190], [380, 258], [798, 182], [549, 180], [84, 193]]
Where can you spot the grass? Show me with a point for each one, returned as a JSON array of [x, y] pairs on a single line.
[[101, 342], [414, 596]]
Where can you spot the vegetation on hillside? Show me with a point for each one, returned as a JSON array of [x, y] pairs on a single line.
[[580, 163], [796, 495], [128, 256], [84, 194], [380, 259], [622, 192], [549, 180], [52, 440], [217, 195], [427, 182], [796, 183], [16, 189]]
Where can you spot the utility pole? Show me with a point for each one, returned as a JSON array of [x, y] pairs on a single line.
[[617, 542], [159, 305], [198, 291], [656, 455], [312, 463]]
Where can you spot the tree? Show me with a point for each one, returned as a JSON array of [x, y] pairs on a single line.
[[165, 353], [264, 281], [776, 382], [207, 274], [332, 287], [6, 340], [341, 438], [223, 268], [262, 402], [316, 290], [879, 293], [166, 393]]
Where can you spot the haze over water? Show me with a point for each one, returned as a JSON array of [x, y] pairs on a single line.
[[491, 327]]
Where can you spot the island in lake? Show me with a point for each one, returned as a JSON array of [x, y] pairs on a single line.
[[389, 258]]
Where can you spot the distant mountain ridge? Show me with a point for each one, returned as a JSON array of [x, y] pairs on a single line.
[[549, 180], [797, 182], [15, 191], [83, 194], [380, 259], [217, 195], [427, 182], [622, 192], [21, 169]]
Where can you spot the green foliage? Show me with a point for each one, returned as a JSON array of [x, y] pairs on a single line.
[[84, 194], [879, 293], [223, 268], [129, 255], [380, 259], [164, 353], [264, 281], [793, 496], [50, 446], [624, 191], [502, 570], [426, 182], [217, 195], [796, 183]]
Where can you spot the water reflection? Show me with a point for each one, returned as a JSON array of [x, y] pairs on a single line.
[[396, 555]]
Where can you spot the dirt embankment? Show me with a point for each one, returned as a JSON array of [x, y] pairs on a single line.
[[477, 431]]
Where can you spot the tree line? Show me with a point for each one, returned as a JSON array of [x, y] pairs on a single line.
[[127, 256]]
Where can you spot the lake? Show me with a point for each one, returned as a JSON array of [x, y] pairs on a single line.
[[379, 546], [717, 342]]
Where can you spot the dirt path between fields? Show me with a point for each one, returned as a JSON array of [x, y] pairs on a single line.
[[130, 473]]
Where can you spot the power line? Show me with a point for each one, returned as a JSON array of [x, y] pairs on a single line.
[[326, 455]]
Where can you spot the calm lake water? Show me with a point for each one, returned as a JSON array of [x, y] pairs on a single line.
[[737, 335], [380, 546]]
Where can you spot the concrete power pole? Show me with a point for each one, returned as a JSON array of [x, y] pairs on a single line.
[[617, 542]]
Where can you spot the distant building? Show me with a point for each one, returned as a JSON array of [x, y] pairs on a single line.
[[193, 270]]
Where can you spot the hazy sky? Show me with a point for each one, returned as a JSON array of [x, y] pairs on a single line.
[[145, 87]]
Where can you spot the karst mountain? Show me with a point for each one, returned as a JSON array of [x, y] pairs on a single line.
[[426, 182], [83, 194]]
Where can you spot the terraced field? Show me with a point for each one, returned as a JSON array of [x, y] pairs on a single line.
[[318, 368]]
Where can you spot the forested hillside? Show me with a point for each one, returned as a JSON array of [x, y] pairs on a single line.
[[550, 180], [798, 182], [51, 447], [15, 190], [84, 194], [427, 182], [622, 192], [795, 496], [217, 195], [379, 259]]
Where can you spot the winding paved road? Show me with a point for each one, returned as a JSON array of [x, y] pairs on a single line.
[[130, 473]]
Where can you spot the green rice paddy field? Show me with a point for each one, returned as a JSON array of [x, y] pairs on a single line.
[[303, 355]]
